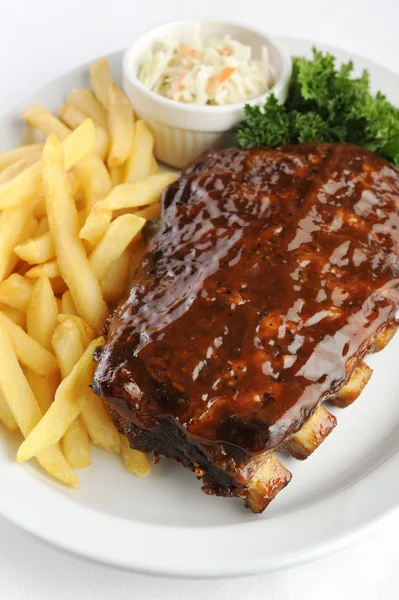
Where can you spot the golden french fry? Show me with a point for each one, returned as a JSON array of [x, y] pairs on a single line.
[[68, 403], [37, 250], [72, 260], [73, 118], [6, 415], [140, 160], [95, 179], [16, 316], [69, 349], [15, 387], [43, 388], [85, 331], [116, 174], [135, 462], [101, 429], [29, 352], [27, 231], [48, 269], [67, 304], [55, 463], [16, 168], [115, 241], [120, 125], [16, 154], [42, 226], [74, 181], [26, 411], [12, 223], [16, 291], [42, 313], [39, 210], [40, 118], [101, 80], [134, 195], [28, 184], [153, 211], [114, 283], [95, 226], [136, 258], [85, 102], [154, 167], [75, 445], [67, 345]]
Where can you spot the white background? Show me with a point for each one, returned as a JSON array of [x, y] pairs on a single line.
[[40, 39]]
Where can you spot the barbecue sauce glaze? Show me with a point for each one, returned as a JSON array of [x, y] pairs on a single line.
[[265, 283]]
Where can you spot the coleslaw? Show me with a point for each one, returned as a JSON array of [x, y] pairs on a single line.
[[216, 72]]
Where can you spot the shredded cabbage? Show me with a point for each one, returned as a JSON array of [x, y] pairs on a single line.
[[219, 71]]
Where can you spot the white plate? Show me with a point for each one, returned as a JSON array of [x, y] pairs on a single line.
[[164, 524]]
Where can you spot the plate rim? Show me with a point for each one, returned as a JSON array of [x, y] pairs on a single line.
[[56, 533]]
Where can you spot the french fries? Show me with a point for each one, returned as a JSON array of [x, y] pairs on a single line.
[[43, 388], [29, 352], [71, 255], [42, 313], [17, 167], [101, 430], [6, 415], [23, 152], [116, 174], [114, 283], [120, 125], [67, 304], [16, 316], [71, 212], [96, 182], [26, 411], [135, 195], [117, 238], [48, 269], [16, 291], [140, 160], [68, 348], [28, 185], [86, 103], [75, 445], [42, 119], [68, 403], [135, 462], [73, 118], [12, 223], [101, 81], [37, 250], [135, 259], [153, 211], [95, 226]]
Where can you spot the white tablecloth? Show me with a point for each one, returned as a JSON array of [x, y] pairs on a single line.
[[40, 39]]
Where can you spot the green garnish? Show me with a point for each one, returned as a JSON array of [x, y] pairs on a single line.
[[324, 104]]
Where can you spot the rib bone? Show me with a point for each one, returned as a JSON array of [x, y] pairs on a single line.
[[384, 337], [313, 433], [267, 482], [351, 390]]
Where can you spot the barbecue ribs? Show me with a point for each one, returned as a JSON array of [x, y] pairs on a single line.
[[269, 278]]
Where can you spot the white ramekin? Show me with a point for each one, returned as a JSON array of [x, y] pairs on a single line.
[[182, 131]]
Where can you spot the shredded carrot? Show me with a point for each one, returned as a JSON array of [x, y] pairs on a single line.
[[220, 78], [177, 85], [225, 52], [187, 51]]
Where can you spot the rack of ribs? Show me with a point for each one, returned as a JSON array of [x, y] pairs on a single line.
[[269, 278]]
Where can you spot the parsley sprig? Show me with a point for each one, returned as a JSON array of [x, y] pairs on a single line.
[[326, 104]]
